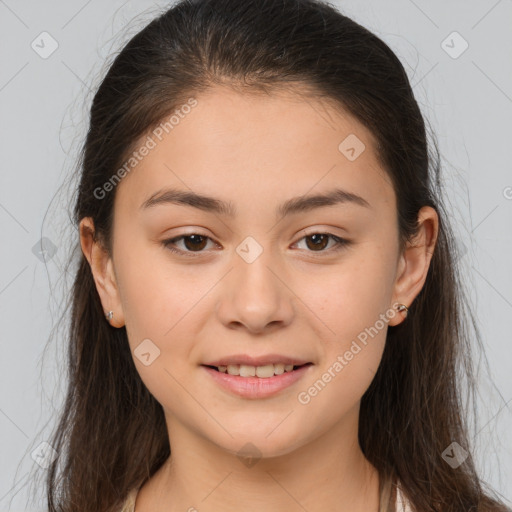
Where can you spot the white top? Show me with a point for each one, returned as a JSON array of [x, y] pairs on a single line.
[[402, 504], [129, 504]]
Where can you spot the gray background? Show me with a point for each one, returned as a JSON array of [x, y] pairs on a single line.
[[43, 106]]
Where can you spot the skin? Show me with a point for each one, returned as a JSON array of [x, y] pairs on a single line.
[[256, 151]]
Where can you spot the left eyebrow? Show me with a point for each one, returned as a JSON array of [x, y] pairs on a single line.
[[300, 204]]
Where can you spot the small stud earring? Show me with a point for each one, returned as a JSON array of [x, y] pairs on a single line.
[[403, 307], [109, 315]]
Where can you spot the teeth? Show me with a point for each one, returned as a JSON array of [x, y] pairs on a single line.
[[279, 369], [233, 369], [247, 371], [264, 372]]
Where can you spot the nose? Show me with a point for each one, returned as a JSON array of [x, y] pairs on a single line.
[[254, 296]]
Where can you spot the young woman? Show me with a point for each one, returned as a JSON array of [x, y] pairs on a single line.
[[267, 312]]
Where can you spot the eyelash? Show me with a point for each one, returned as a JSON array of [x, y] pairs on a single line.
[[340, 244]]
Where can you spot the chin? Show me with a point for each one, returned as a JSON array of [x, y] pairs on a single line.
[[260, 443]]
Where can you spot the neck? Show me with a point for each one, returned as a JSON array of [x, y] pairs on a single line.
[[327, 474]]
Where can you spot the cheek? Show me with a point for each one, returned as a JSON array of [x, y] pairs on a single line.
[[354, 311], [337, 389], [357, 317], [352, 297], [156, 294], [166, 304], [160, 304]]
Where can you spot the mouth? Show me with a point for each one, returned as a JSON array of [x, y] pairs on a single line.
[[257, 382], [263, 372]]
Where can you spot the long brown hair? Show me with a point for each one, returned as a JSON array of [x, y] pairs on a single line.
[[112, 435]]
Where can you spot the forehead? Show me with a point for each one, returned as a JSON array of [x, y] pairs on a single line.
[[260, 148]]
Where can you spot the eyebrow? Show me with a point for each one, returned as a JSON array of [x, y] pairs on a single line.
[[294, 205]]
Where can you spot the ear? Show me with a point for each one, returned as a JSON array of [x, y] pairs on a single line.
[[414, 262], [102, 269]]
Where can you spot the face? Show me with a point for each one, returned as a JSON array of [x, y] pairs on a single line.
[[259, 274]]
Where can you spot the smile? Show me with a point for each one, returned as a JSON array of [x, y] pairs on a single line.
[[255, 382]]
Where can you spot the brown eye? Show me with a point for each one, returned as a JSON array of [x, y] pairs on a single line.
[[319, 241], [194, 242], [190, 244]]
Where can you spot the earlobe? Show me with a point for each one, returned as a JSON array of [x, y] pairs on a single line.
[[415, 261], [102, 270]]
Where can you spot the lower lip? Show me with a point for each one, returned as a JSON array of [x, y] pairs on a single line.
[[256, 387]]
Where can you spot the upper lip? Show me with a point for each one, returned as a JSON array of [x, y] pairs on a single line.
[[257, 361]]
